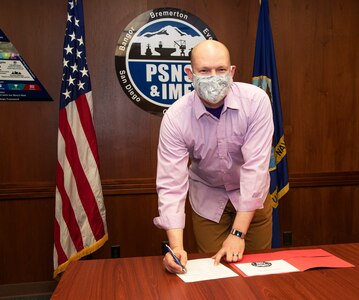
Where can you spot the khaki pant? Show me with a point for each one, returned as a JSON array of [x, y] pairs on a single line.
[[211, 235]]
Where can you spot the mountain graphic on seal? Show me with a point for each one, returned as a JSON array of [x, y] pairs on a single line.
[[168, 43]]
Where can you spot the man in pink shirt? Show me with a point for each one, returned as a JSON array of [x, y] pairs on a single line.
[[224, 129]]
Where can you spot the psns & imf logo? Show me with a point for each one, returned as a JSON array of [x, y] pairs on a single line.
[[152, 53]]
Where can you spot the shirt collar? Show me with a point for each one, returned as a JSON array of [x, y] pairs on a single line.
[[229, 102]]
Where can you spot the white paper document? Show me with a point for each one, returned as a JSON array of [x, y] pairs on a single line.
[[204, 269], [266, 267]]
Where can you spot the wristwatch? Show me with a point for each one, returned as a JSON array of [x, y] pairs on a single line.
[[238, 233]]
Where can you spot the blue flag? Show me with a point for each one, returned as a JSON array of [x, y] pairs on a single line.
[[265, 76]]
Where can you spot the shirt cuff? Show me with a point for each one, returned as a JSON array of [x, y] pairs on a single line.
[[251, 205], [170, 221]]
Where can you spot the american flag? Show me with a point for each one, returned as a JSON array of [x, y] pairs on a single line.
[[80, 216]]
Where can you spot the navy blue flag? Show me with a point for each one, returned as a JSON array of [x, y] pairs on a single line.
[[265, 76]]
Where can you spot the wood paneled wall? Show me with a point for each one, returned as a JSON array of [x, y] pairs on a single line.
[[316, 46]]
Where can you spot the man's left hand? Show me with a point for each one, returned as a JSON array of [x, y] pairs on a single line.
[[232, 249]]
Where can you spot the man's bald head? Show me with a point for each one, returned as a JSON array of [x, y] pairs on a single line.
[[210, 49]]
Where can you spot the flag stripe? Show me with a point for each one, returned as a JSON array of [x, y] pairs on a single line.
[[67, 210], [67, 246], [85, 114], [86, 158], [86, 196], [59, 252], [84, 109], [76, 204]]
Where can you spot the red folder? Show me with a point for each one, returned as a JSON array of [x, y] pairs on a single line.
[[301, 259]]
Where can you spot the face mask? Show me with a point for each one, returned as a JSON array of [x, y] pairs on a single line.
[[212, 88]]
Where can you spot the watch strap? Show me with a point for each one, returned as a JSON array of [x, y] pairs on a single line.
[[238, 233]]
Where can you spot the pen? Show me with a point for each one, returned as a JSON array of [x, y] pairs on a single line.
[[176, 258]]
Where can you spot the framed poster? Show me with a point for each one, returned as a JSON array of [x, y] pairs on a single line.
[[17, 81]]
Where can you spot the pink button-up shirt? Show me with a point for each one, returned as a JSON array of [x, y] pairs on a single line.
[[229, 156]]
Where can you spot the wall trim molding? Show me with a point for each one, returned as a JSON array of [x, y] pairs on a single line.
[[137, 186], [30, 190], [28, 290], [301, 180]]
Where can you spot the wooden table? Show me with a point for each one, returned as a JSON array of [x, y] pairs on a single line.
[[144, 278]]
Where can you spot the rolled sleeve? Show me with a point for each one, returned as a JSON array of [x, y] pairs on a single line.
[[170, 221]]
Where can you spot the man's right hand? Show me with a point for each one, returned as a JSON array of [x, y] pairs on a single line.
[[170, 264]]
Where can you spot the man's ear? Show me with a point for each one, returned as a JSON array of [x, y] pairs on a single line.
[[233, 70], [189, 73]]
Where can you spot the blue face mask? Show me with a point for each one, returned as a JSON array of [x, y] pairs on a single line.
[[213, 88]]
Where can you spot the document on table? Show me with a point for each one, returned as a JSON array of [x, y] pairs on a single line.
[[204, 269], [266, 267]]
